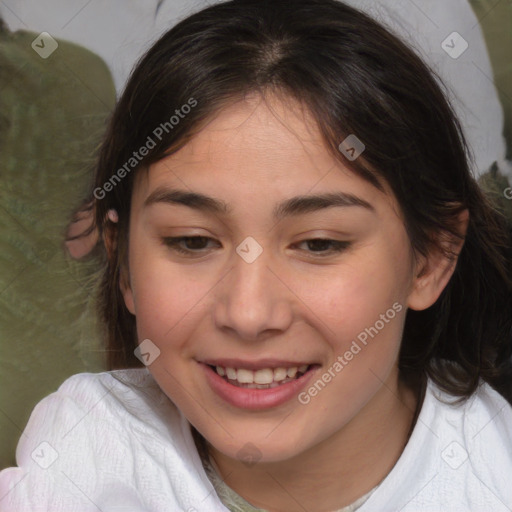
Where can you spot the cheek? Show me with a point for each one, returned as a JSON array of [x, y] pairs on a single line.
[[362, 309], [162, 301], [159, 295], [363, 329], [354, 298]]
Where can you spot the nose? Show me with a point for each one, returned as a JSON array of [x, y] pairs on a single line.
[[252, 301]]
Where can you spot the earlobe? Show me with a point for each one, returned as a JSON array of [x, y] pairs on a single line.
[[430, 281], [434, 271], [126, 290], [110, 240], [110, 233]]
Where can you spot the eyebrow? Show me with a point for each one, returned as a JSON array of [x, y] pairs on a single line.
[[294, 206]]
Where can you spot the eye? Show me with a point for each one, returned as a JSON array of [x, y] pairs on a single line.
[[194, 244], [320, 246]]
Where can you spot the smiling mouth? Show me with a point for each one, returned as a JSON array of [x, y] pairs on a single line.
[[265, 378]]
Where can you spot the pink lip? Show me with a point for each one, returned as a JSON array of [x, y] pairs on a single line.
[[253, 365], [255, 399]]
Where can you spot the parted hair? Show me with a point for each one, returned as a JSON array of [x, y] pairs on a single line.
[[355, 77]]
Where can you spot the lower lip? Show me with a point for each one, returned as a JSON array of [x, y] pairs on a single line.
[[256, 399]]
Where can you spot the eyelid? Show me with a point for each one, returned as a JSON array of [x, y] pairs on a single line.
[[174, 241], [337, 246]]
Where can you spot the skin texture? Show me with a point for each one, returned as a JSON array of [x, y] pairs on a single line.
[[289, 304]]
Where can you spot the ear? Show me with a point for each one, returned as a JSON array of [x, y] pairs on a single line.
[[110, 241], [110, 234], [77, 243], [433, 272], [126, 289]]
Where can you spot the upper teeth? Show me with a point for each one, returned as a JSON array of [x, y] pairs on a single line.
[[263, 376]]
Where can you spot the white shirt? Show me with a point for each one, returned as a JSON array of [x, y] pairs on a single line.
[[113, 441]]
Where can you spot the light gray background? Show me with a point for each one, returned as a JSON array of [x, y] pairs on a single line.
[[121, 30]]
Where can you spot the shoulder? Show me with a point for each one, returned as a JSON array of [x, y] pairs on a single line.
[[129, 376], [114, 386], [487, 427], [475, 446], [93, 409], [458, 458], [483, 418], [120, 396], [94, 434], [489, 414]]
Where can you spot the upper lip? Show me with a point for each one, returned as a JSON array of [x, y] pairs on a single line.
[[254, 365]]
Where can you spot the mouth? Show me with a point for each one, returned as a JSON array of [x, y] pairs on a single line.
[[263, 378], [257, 385]]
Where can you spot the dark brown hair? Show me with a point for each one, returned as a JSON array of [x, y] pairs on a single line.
[[355, 77]]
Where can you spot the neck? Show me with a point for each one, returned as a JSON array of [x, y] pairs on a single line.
[[345, 466]]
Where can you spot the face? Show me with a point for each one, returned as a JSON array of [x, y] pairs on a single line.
[[309, 295]]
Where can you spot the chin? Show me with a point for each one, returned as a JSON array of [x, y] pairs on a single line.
[[257, 449]]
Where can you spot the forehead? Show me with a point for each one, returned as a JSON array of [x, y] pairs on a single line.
[[260, 145], [255, 135]]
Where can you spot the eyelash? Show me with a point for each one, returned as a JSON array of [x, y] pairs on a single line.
[[173, 243]]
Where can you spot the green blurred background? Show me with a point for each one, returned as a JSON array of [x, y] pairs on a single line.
[[52, 116]]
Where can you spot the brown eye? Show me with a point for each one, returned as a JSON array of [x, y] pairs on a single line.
[[325, 247], [187, 244]]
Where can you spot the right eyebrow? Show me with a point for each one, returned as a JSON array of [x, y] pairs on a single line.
[[194, 200], [297, 205]]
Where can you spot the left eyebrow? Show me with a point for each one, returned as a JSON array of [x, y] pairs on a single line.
[[305, 204], [294, 206]]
